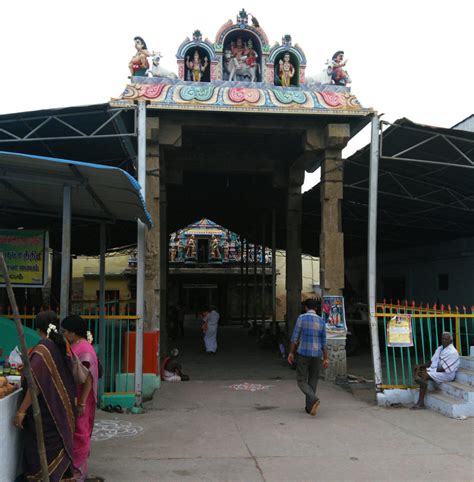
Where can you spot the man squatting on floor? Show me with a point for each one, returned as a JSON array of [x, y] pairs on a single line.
[[309, 343]]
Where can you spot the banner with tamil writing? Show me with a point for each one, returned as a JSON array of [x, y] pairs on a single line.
[[26, 255]]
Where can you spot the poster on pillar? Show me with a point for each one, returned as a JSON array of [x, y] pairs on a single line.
[[26, 256], [334, 315], [399, 332]]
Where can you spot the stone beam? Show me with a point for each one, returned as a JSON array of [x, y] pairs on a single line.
[[167, 133], [336, 136]]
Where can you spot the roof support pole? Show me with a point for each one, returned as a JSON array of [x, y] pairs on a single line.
[[141, 228], [263, 270], [273, 271], [294, 220], [66, 253], [332, 238], [246, 281], [372, 249], [102, 320], [255, 279], [242, 287]]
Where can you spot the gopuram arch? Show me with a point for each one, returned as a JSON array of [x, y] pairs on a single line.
[[236, 151]]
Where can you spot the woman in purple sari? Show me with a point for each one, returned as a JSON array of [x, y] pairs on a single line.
[[75, 330], [52, 371]]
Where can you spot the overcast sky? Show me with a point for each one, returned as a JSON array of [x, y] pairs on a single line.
[[409, 59]]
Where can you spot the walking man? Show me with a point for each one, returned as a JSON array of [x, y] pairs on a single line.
[[309, 343]]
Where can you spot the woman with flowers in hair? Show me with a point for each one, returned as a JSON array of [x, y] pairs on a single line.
[[52, 371], [75, 330]]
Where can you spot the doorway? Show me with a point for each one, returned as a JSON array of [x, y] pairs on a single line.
[[203, 250]]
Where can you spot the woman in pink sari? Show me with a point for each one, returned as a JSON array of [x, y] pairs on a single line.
[[75, 330]]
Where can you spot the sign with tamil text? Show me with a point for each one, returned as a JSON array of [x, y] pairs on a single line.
[[399, 332], [26, 255]]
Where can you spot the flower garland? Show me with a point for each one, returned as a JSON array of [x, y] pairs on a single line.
[[51, 328], [90, 338]]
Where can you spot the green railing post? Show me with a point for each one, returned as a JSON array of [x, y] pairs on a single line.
[[387, 357]]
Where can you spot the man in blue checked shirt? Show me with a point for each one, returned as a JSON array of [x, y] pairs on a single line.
[[309, 342]]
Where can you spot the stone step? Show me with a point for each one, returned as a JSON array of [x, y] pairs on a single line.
[[467, 362], [449, 406], [458, 390], [465, 376]]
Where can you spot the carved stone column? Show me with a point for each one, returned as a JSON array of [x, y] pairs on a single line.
[[294, 219], [332, 236]]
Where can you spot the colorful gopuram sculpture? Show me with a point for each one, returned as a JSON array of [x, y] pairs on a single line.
[[238, 69]]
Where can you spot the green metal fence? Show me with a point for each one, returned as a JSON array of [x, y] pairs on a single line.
[[427, 326], [119, 353]]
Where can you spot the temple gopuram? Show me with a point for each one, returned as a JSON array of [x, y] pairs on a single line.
[[229, 136]]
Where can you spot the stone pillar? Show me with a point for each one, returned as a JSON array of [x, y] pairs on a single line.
[[293, 247], [152, 293], [332, 237], [163, 263], [159, 134]]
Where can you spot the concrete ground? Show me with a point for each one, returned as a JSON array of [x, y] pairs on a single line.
[[241, 418]]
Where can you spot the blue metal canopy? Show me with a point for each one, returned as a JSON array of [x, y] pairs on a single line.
[[34, 185]]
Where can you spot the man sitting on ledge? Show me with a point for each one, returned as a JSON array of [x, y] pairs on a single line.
[[442, 367]]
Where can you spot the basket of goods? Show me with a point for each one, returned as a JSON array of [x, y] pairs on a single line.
[[5, 387]]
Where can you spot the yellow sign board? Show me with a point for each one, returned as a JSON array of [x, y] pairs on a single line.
[[26, 255], [399, 331]]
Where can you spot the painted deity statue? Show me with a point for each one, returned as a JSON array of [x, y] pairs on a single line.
[[251, 54], [181, 248], [139, 64], [286, 71], [197, 67], [226, 250], [337, 71], [215, 252], [173, 252], [191, 247], [238, 51]]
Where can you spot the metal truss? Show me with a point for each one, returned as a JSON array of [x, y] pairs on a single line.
[[38, 124], [464, 160], [459, 201]]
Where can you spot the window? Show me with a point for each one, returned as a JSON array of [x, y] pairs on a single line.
[[443, 282]]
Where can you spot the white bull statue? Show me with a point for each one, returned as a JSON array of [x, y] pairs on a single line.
[[157, 70], [235, 67]]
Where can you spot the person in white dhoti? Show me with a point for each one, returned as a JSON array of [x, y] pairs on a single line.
[[442, 367], [210, 321]]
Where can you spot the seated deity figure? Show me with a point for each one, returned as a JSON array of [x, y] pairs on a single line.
[[197, 67], [336, 70], [139, 63], [286, 71], [215, 252], [191, 247], [239, 51]]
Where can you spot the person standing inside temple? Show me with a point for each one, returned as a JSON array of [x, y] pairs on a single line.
[[308, 343], [210, 320]]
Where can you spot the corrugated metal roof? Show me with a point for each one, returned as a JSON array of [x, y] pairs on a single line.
[[34, 185]]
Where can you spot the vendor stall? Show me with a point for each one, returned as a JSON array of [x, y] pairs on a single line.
[[10, 437]]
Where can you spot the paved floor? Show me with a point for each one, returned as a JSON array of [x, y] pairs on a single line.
[[215, 428]]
